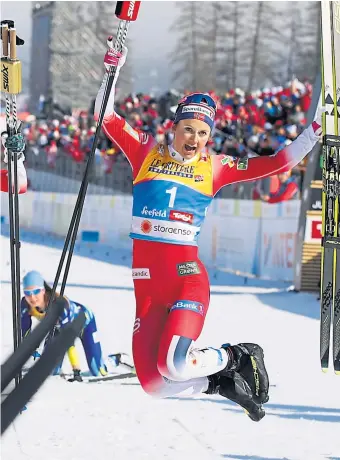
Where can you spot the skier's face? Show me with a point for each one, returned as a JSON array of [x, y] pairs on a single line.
[[35, 296], [190, 137]]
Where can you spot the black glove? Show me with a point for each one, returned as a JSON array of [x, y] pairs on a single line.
[[76, 376]]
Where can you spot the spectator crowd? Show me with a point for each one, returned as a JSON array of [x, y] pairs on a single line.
[[247, 124]]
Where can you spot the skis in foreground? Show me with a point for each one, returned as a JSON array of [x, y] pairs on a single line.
[[330, 254], [15, 401]]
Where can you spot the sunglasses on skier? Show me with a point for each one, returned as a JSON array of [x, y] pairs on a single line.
[[30, 292]]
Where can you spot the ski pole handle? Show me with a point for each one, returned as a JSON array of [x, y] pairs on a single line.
[[127, 11], [10, 65]]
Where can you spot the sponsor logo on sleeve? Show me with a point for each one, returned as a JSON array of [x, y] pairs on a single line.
[[199, 178], [140, 274], [188, 268], [181, 216], [144, 138], [189, 305], [242, 164], [228, 160], [131, 131]]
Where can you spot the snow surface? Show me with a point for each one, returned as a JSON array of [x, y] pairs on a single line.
[[116, 420]]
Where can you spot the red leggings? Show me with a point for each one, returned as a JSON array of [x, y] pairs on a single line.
[[170, 310]]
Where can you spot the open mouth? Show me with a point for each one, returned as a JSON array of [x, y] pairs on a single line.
[[189, 148]]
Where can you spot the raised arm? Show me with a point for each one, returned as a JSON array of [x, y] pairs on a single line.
[[133, 143], [228, 170]]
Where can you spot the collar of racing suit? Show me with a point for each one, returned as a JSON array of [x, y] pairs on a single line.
[[178, 157]]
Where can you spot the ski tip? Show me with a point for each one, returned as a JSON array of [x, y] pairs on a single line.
[[337, 372], [324, 370]]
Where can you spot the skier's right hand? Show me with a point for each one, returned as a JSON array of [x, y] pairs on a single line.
[[114, 58]]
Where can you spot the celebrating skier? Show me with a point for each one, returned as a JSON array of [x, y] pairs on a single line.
[[173, 187], [34, 303]]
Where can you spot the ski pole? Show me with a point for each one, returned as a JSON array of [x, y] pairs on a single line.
[[11, 86], [126, 12]]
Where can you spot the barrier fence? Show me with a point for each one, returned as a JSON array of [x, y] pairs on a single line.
[[239, 235]]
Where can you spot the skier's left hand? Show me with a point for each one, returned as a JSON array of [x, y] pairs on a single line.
[[317, 123]]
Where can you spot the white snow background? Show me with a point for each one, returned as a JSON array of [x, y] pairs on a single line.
[[116, 420]]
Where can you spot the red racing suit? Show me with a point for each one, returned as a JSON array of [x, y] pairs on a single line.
[[170, 199], [22, 178]]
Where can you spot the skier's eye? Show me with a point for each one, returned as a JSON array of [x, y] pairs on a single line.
[[188, 129], [203, 133]]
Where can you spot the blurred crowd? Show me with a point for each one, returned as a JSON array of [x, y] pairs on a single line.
[[247, 124]]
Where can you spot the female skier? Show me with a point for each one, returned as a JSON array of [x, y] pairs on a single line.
[[37, 294], [173, 187]]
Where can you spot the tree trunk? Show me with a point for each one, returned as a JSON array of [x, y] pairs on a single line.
[[194, 48], [292, 43], [215, 24], [255, 47], [236, 31]]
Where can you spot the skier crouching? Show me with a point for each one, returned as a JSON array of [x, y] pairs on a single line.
[[37, 294]]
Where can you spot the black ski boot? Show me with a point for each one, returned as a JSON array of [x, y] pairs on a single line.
[[236, 389], [76, 376], [247, 360]]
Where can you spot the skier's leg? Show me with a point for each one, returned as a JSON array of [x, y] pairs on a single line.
[[92, 348], [177, 357]]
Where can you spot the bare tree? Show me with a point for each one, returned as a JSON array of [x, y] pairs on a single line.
[[308, 40], [189, 57], [268, 45], [294, 22], [228, 49], [245, 44]]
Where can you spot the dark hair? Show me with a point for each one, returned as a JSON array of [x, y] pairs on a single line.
[[48, 293]]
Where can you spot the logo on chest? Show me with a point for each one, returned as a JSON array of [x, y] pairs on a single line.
[[181, 216], [171, 168]]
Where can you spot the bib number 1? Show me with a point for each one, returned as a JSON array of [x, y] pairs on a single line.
[[172, 192]]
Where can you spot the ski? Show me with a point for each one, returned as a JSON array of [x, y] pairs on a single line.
[[17, 399], [336, 110], [16, 361], [101, 378], [108, 377], [330, 257]]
